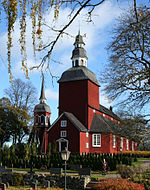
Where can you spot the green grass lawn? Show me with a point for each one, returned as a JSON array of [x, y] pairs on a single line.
[[28, 169], [138, 163], [143, 158]]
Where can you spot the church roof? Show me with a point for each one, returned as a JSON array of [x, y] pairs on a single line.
[[109, 112], [72, 119], [42, 107], [102, 124], [79, 39], [42, 97], [75, 121], [106, 111], [79, 52], [78, 73]]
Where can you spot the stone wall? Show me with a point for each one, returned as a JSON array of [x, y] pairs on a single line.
[[73, 182]]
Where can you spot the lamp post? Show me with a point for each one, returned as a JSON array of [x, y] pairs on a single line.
[[65, 156]]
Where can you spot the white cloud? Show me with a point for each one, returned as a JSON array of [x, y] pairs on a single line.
[[102, 18], [51, 95], [104, 100]]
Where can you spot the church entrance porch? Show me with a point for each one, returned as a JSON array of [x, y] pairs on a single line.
[[62, 144]]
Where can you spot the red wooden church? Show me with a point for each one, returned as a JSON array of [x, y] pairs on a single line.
[[83, 125]]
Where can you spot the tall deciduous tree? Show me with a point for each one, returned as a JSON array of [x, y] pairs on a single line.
[[137, 127], [22, 95], [13, 122], [20, 127], [5, 123], [128, 72], [22, 98]]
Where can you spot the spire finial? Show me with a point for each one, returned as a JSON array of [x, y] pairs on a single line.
[[79, 32], [42, 97], [79, 28]]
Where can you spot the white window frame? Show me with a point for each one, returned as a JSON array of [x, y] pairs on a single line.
[[114, 141], [63, 123], [87, 145], [127, 141], [46, 119], [63, 133], [87, 134], [95, 138], [42, 123], [36, 119], [121, 143], [132, 146]]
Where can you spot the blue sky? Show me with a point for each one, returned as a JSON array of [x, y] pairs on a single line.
[[98, 35]]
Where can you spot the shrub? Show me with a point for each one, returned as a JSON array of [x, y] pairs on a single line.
[[18, 179], [143, 178], [121, 184], [145, 154], [125, 171], [128, 171]]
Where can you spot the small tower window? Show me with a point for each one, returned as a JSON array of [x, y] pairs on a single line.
[[36, 119], [47, 119], [76, 63], [82, 62], [42, 119]]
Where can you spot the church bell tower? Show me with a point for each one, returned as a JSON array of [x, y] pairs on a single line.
[[79, 57], [42, 115], [78, 86]]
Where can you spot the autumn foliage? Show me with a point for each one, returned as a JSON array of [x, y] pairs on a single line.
[[121, 184]]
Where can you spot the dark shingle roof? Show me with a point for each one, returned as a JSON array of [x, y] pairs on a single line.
[[116, 128], [42, 107], [104, 125], [78, 73], [108, 112], [100, 125], [79, 52], [73, 120], [42, 96], [79, 39]]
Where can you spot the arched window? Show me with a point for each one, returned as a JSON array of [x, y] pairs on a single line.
[[82, 62], [76, 63], [36, 119], [47, 119], [73, 63], [42, 119]]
